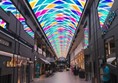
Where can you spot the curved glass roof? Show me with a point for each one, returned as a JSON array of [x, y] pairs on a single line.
[[7, 5], [104, 7], [59, 19]]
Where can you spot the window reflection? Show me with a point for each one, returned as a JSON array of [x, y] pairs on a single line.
[[3, 23], [110, 51]]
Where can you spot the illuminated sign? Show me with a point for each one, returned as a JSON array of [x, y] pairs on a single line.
[[11, 63], [16, 62]]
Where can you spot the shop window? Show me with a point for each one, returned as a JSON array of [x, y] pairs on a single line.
[[86, 36], [110, 51], [3, 24]]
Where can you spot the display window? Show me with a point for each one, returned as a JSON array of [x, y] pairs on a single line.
[[3, 24], [110, 51]]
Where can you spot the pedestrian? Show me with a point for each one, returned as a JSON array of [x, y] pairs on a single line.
[[75, 70], [106, 73]]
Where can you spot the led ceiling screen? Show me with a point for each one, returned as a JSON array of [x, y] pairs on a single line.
[[3, 23], [104, 7], [7, 5], [59, 19]]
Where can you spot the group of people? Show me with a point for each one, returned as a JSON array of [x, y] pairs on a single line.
[[105, 72], [75, 69]]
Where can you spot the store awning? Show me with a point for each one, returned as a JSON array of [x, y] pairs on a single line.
[[41, 57]]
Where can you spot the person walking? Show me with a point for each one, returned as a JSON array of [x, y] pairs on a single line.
[[106, 73], [75, 70]]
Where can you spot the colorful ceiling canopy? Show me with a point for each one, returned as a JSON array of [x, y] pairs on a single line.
[[104, 7], [7, 5], [59, 19], [3, 23]]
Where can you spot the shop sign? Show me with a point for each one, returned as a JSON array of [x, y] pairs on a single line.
[[109, 21], [15, 62], [11, 63], [4, 42]]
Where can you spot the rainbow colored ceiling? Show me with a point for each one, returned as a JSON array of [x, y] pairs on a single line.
[[7, 5], [59, 19], [2, 23], [104, 7]]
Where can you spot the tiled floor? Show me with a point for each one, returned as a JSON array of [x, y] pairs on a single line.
[[60, 77]]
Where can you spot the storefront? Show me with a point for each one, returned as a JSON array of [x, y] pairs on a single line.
[[79, 60], [24, 70], [39, 64], [6, 49], [103, 36], [15, 60], [5, 73], [18, 69]]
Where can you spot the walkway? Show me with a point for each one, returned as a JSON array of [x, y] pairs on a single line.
[[61, 77]]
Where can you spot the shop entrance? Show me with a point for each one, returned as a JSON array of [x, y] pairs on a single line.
[[5, 79]]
